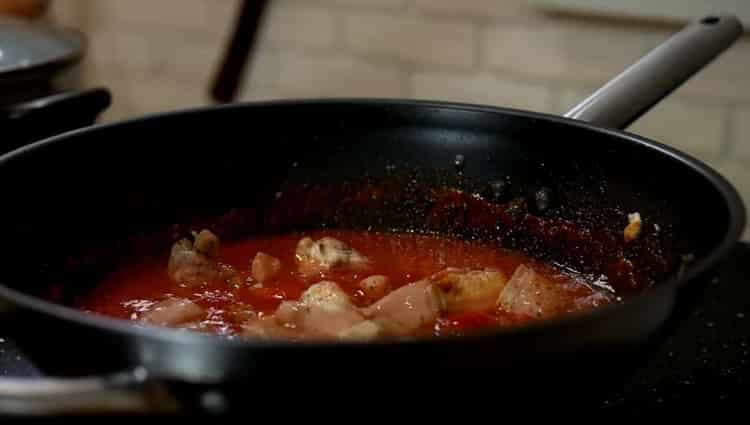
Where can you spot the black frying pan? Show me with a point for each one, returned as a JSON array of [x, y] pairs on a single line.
[[93, 186]]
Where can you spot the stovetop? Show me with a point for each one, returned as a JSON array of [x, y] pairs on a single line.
[[704, 362]]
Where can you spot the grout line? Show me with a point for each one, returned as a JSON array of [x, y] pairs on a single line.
[[725, 147]]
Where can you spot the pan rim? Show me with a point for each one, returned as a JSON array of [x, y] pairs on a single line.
[[733, 201]]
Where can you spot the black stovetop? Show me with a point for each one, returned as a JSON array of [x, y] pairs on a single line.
[[705, 361]]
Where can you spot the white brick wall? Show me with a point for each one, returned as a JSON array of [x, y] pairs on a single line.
[[300, 25], [438, 42], [476, 9], [481, 88], [158, 55]]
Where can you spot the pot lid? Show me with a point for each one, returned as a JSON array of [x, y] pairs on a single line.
[[26, 46]]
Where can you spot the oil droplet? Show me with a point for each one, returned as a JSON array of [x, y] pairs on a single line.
[[710, 324], [295, 164], [497, 187], [459, 162], [543, 199], [740, 315]]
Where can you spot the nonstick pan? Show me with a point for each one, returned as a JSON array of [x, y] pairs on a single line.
[[93, 186]]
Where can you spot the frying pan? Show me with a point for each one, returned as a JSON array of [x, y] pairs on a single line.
[[97, 184]]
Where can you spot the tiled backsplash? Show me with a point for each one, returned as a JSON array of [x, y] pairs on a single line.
[[158, 55]]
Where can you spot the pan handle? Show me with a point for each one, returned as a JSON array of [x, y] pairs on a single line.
[[633, 92], [122, 393]]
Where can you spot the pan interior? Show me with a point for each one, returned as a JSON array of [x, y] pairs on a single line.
[[74, 204]]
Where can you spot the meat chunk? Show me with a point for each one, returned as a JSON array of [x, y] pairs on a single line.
[[268, 328], [328, 296], [365, 330], [195, 263], [531, 294], [325, 254], [190, 266], [324, 310], [265, 267], [633, 229], [408, 307], [470, 290], [173, 311], [207, 244], [375, 286]]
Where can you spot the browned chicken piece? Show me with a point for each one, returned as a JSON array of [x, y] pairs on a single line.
[[375, 287], [195, 263], [407, 308], [207, 244], [268, 328], [469, 290], [531, 294], [323, 310], [325, 254], [173, 311], [265, 267], [633, 229]]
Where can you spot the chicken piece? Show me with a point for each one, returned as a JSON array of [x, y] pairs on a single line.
[[265, 267], [191, 267], [194, 263], [375, 286], [408, 307], [366, 330], [633, 229], [173, 311], [323, 310], [470, 290], [326, 295], [325, 254], [268, 328], [531, 294], [287, 311], [207, 244]]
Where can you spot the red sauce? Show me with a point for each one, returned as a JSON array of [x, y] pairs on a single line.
[[403, 258]]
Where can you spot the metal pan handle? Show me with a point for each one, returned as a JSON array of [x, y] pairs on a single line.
[[641, 86], [123, 393]]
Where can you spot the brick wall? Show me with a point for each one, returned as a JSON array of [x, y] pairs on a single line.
[[159, 55]]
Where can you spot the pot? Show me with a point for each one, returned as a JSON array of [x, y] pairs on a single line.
[[38, 96], [106, 182]]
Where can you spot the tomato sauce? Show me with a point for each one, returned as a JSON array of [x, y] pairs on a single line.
[[403, 258]]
